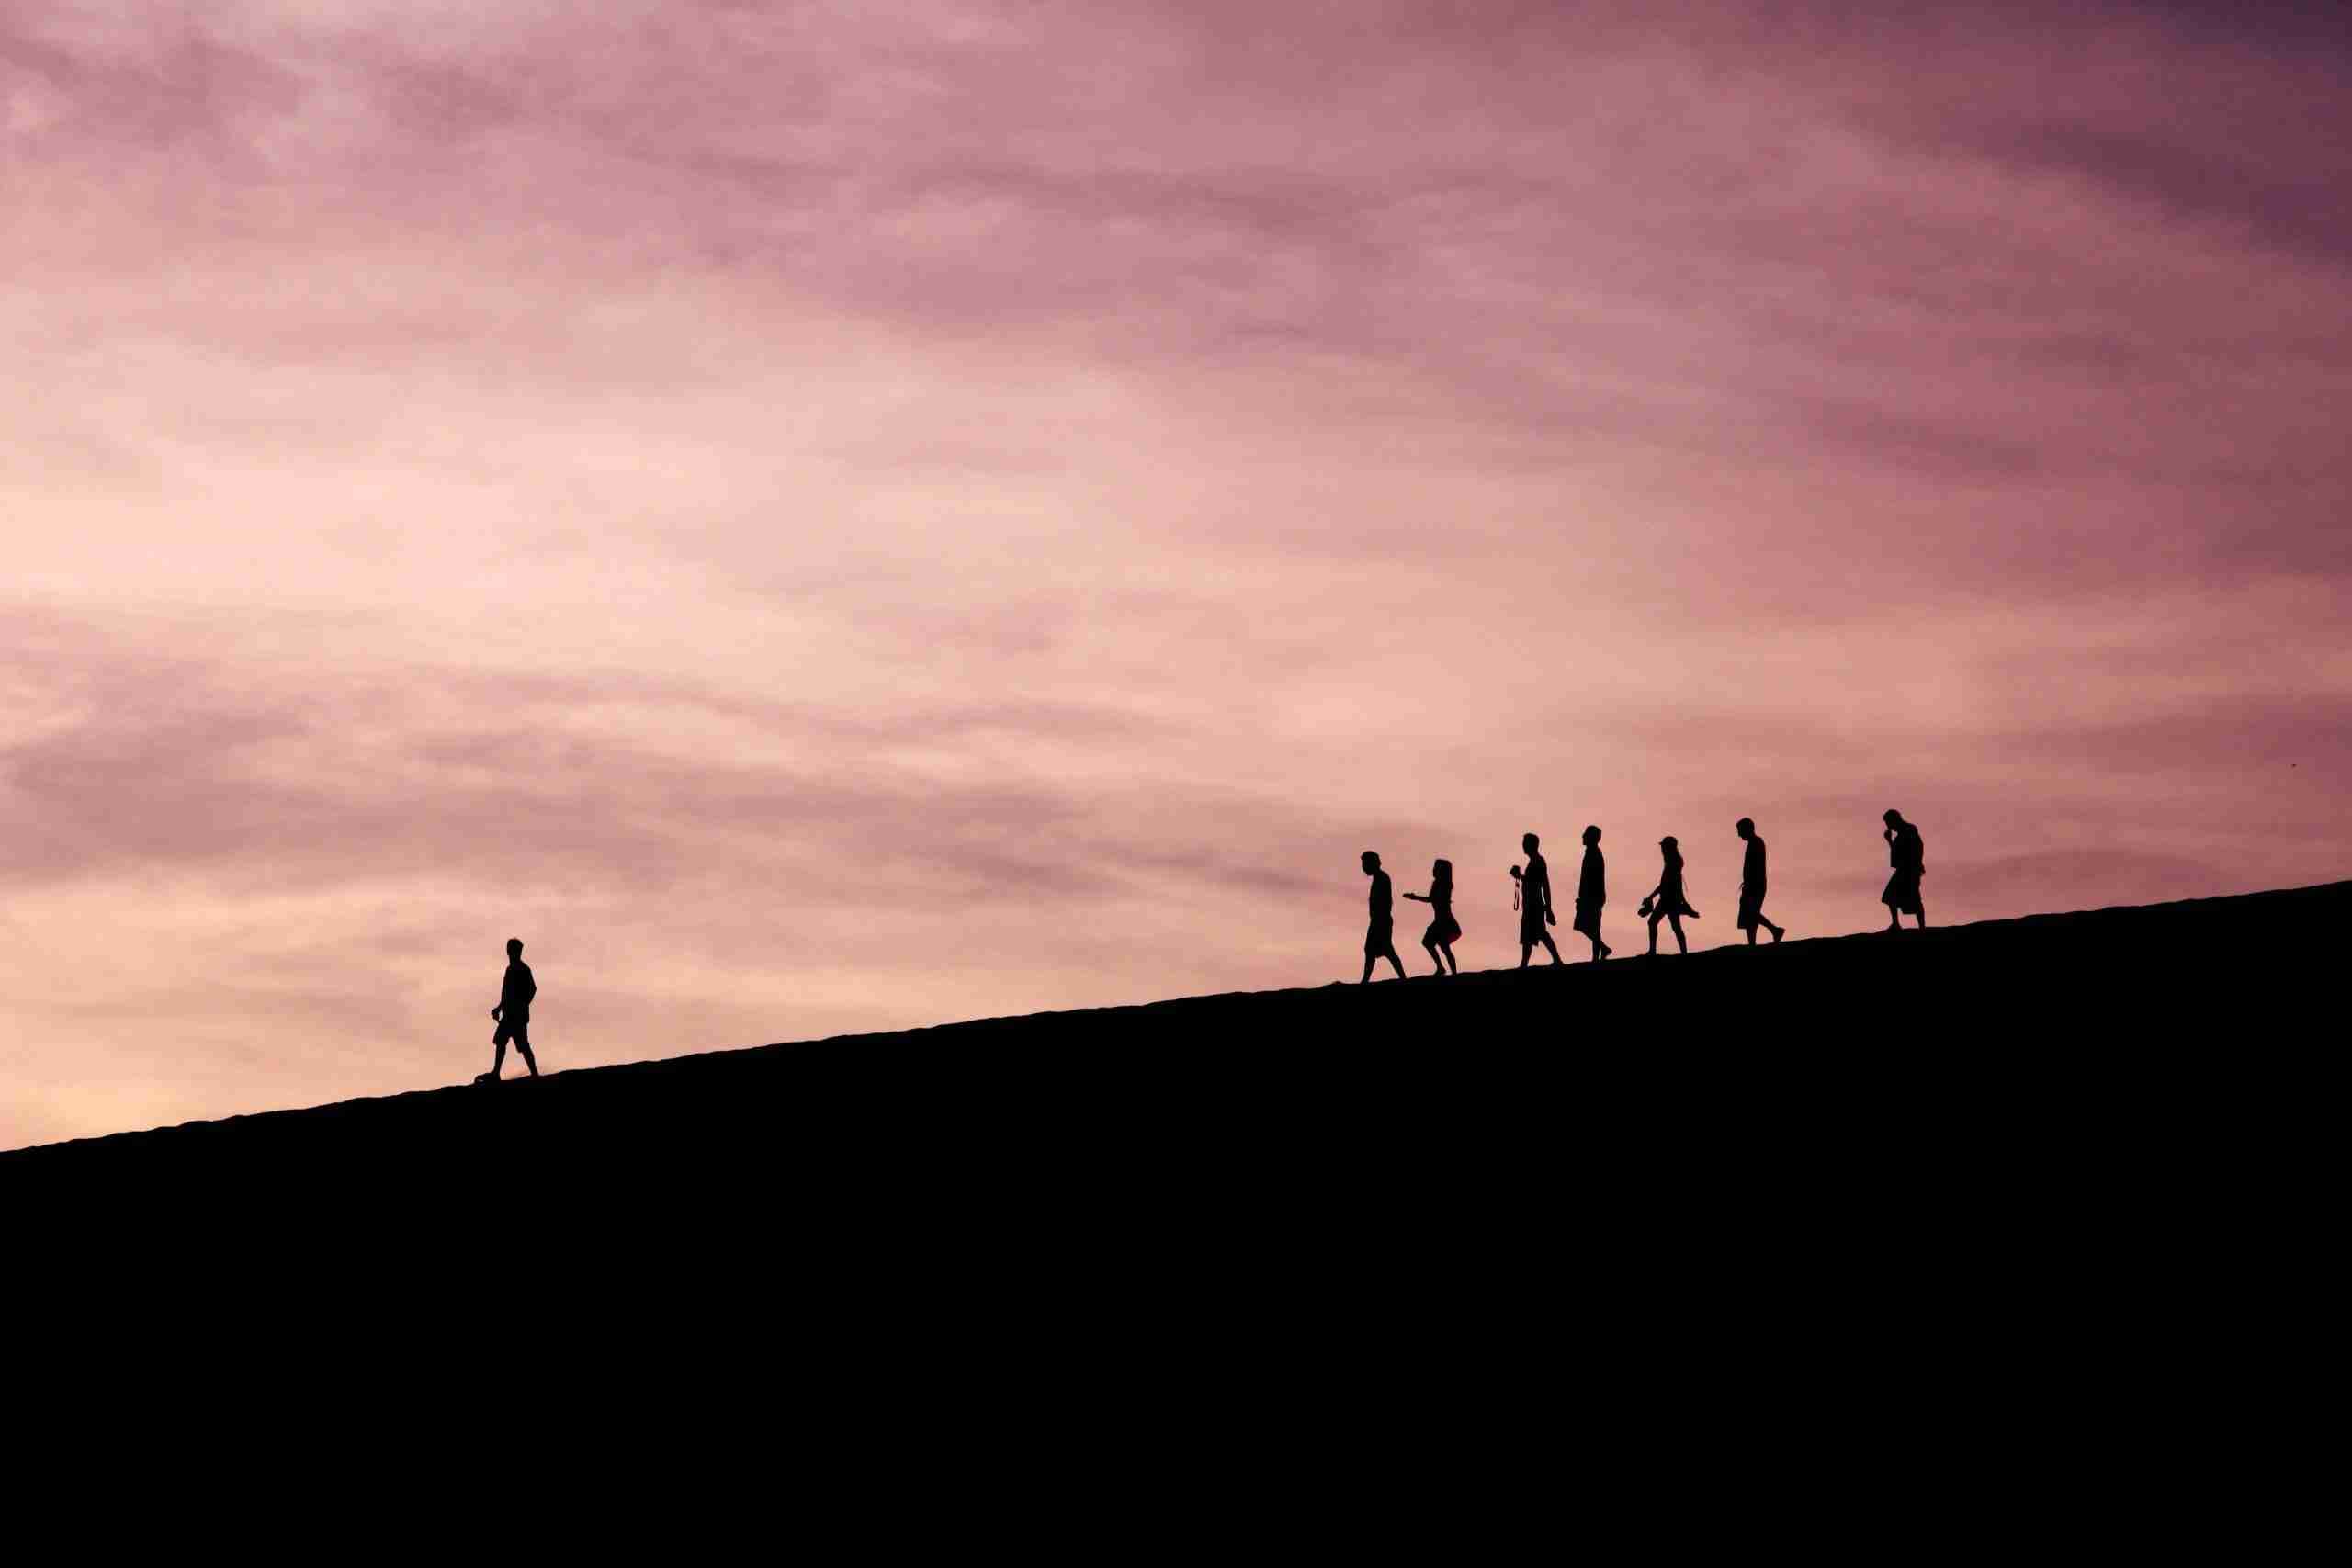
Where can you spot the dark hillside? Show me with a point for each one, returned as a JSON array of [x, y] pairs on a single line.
[[1947, 1062], [1853, 1235]]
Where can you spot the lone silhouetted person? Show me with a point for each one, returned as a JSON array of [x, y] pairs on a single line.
[[514, 1013], [1444, 930], [1534, 904], [1908, 856], [1751, 885], [1593, 891], [1380, 938], [1665, 901]]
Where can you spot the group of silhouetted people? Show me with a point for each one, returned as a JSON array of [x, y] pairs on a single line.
[[1531, 896], [1667, 903]]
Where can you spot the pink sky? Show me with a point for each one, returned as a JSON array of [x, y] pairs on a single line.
[[827, 517]]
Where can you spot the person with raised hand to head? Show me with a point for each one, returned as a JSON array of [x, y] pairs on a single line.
[[1907, 855], [1444, 930]]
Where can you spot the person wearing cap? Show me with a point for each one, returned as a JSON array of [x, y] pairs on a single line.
[[1751, 884], [1665, 901]]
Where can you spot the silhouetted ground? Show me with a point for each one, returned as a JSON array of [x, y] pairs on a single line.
[[1815, 1210], [1965, 1238], [1898, 1075]]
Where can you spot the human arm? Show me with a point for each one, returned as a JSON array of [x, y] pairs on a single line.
[[515, 991]]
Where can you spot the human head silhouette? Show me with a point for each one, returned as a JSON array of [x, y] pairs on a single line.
[[1591, 834], [1527, 842], [1893, 819], [1745, 827], [1668, 845], [514, 947], [1370, 862], [1442, 871]]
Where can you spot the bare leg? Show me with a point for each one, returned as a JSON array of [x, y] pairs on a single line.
[[498, 1063], [1397, 964], [1654, 920], [1551, 947], [1923, 917], [1680, 945], [1778, 932], [1526, 951], [1367, 969], [1452, 964], [528, 1060], [1429, 946], [1751, 936]]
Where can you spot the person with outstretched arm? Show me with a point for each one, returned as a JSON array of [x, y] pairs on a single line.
[[514, 1013], [1444, 930]]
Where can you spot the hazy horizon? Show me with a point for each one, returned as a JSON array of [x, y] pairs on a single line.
[[831, 517]]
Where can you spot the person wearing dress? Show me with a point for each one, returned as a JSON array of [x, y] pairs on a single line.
[[1593, 891], [1665, 901], [1907, 855], [1380, 936], [1751, 884], [1444, 930], [1534, 904]]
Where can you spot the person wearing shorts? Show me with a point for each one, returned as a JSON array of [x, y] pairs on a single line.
[[514, 1013], [1535, 903]]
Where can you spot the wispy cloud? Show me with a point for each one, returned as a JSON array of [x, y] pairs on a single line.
[[838, 515]]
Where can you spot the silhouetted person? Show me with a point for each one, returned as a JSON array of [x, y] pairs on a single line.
[[1534, 904], [1593, 891], [1444, 930], [514, 1013], [1908, 856], [1665, 901], [1751, 885], [1380, 938]]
